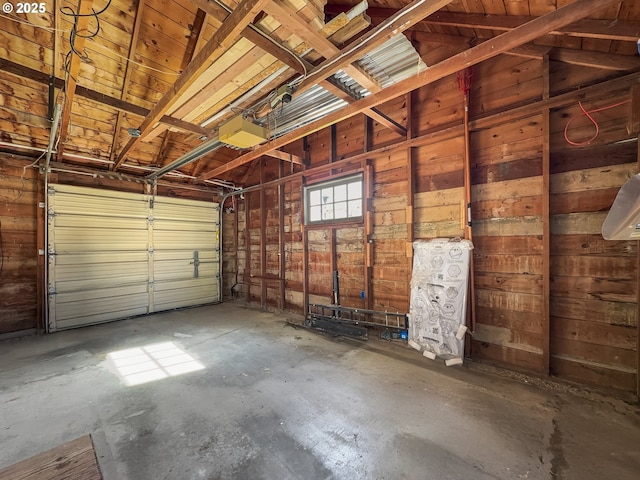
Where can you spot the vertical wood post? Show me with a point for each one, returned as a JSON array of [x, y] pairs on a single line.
[[305, 252], [368, 234], [247, 244], [281, 236], [411, 191], [468, 232], [546, 231], [638, 286], [236, 237], [333, 254], [333, 143], [263, 240]]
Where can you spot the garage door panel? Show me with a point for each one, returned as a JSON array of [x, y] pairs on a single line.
[[112, 293], [65, 273], [95, 202], [172, 296], [168, 274], [115, 255], [185, 255], [93, 318], [67, 307], [100, 223], [93, 258], [181, 209], [190, 241], [85, 284], [100, 240], [161, 226]]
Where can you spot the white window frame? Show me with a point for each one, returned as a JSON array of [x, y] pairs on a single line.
[[335, 201]]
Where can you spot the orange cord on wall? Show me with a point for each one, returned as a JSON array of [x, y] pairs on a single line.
[[595, 124]]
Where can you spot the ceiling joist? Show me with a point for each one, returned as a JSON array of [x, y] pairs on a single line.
[[125, 83], [486, 50], [224, 37], [72, 67]]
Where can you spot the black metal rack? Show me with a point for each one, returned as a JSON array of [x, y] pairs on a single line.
[[353, 321]]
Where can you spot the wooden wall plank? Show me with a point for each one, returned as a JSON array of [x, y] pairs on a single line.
[[18, 249]]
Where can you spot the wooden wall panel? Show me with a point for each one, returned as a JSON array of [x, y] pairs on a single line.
[[592, 282], [505, 81], [350, 263], [593, 303], [18, 247], [349, 137], [438, 105], [507, 230], [395, 109]]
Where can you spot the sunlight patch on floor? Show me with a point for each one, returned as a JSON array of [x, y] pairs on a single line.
[[135, 366]]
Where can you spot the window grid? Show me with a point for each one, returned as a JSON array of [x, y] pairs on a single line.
[[334, 201]]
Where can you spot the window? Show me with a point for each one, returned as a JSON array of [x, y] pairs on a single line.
[[335, 200]]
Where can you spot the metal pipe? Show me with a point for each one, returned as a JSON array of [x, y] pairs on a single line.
[[52, 141], [90, 159], [24, 147], [336, 287]]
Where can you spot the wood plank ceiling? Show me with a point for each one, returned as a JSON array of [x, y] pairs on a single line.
[[141, 87]]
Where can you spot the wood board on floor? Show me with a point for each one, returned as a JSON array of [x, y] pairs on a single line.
[[74, 459]]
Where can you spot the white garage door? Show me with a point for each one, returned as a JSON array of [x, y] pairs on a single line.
[[114, 255]]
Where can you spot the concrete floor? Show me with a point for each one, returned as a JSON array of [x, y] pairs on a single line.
[[275, 402]]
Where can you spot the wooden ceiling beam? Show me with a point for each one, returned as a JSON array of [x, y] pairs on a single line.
[[199, 23], [164, 148], [586, 28], [316, 40], [605, 61], [255, 37], [489, 49], [224, 37], [125, 83], [43, 78], [287, 157], [81, 25], [294, 24], [372, 113], [395, 24], [234, 71]]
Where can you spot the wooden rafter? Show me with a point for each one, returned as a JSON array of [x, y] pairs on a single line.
[[162, 153], [125, 83], [281, 53], [224, 37], [292, 22], [605, 61], [585, 28], [82, 21], [504, 42], [296, 25], [226, 76], [397, 23], [315, 39], [199, 24], [372, 113], [22, 71]]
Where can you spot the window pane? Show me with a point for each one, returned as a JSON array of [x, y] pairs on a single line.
[[314, 197], [315, 214], [355, 190], [340, 209], [340, 192], [355, 208], [327, 212], [327, 195]]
